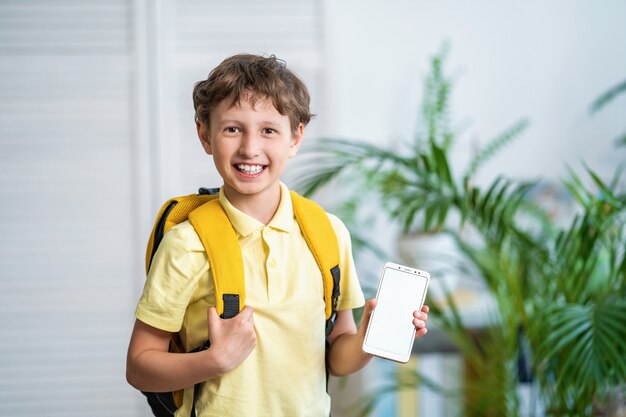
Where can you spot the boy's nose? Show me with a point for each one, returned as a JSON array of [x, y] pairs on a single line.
[[249, 145]]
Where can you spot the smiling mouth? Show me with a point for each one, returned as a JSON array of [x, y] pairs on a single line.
[[249, 169]]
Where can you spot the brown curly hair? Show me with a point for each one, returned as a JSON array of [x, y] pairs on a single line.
[[253, 77]]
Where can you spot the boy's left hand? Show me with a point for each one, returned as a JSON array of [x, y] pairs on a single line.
[[419, 321]]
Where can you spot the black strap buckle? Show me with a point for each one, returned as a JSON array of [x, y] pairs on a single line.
[[231, 305], [336, 273], [330, 323]]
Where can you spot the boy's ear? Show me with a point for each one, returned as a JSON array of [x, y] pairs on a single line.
[[296, 140], [203, 135]]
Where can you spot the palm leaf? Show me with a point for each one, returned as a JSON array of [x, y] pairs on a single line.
[[496, 144], [608, 96], [329, 159], [584, 343]]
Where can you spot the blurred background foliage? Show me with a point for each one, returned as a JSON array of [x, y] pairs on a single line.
[[559, 288], [607, 97]]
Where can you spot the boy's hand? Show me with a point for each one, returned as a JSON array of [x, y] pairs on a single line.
[[419, 321], [368, 308], [232, 340]]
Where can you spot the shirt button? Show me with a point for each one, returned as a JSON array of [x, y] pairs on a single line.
[[271, 263]]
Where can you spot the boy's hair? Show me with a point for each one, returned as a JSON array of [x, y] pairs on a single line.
[[253, 77]]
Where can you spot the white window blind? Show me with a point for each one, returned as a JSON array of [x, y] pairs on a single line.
[[66, 188]]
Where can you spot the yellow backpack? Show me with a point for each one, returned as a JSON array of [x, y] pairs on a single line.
[[219, 239]]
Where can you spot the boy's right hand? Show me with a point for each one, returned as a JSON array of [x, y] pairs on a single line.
[[232, 340]]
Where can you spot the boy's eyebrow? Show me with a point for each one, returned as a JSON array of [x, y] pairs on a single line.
[[270, 122], [223, 121], [237, 121]]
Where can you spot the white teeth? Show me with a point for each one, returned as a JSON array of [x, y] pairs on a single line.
[[250, 169]]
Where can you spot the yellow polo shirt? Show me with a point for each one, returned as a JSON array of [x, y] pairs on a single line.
[[285, 374]]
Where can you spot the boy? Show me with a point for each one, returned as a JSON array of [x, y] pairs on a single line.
[[269, 360]]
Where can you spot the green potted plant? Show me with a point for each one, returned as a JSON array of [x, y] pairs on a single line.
[[412, 180], [418, 190], [559, 293]]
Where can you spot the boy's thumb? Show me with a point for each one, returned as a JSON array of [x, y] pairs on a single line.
[[212, 314], [368, 309]]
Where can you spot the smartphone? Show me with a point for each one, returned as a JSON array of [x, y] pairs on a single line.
[[390, 332]]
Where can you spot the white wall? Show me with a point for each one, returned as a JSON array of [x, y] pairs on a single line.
[[545, 60]]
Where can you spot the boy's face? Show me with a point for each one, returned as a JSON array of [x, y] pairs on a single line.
[[250, 148]]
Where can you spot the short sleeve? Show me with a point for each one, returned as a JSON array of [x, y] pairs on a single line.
[[351, 295], [178, 265]]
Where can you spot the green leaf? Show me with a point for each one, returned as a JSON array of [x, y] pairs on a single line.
[[496, 144], [608, 96], [585, 343], [443, 170], [443, 214], [429, 214]]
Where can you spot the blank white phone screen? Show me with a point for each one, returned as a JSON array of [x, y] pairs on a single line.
[[400, 294]]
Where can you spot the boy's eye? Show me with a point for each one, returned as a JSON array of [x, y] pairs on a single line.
[[231, 129], [268, 131]]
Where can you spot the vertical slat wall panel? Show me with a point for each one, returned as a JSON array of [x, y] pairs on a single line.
[[66, 253]]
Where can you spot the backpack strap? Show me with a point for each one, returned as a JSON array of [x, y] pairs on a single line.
[[226, 262], [320, 237], [175, 210]]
